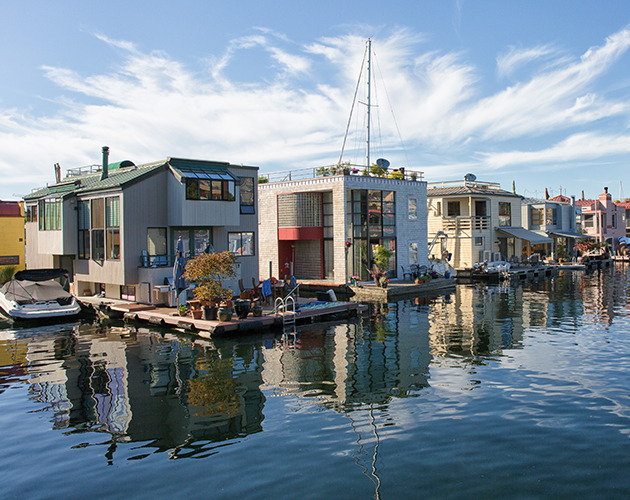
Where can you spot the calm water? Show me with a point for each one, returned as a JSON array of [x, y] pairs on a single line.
[[490, 392]]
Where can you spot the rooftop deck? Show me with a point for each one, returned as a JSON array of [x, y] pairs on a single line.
[[402, 173]]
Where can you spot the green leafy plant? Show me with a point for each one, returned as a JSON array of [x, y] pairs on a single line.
[[6, 273], [208, 271], [380, 258], [377, 170], [262, 179]]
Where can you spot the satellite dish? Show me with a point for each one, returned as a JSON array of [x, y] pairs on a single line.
[[382, 162], [470, 177]]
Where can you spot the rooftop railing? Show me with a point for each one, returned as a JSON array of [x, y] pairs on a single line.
[[401, 173], [464, 183]]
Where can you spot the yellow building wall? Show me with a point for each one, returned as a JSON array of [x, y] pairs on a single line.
[[12, 243]]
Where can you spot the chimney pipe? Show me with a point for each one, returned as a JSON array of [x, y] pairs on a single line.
[[104, 173], [606, 190], [57, 173]]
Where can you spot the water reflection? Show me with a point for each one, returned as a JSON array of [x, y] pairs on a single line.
[[185, 396]]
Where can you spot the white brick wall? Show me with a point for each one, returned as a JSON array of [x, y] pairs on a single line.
[[406, 230]]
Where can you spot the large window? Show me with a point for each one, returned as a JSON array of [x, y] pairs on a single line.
[[412, 204], [207, 189], [413, 252], [156, 241], [505, 213], [98, 229], [537, 216], [552, 217], [247, 195], [588, 220], [84, 229], [452, 208], [50, 214], [112, 223], [241, 243]]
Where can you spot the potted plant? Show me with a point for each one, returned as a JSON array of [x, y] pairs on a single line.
[[208, 271], [242, 307], [257, 311], [183, 310], [225, 314], [383, 281]]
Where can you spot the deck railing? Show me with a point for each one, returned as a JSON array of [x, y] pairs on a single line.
[[456, 224], [402, 173]]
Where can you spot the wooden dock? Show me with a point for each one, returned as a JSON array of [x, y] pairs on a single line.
[[369, 292], [170, 318]]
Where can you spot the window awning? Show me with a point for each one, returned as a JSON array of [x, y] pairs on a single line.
[[524, 234], [569, 234]]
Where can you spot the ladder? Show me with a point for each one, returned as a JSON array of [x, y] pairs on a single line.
[[286, 306]]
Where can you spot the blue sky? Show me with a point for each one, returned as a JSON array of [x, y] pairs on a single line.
[[534, 92]]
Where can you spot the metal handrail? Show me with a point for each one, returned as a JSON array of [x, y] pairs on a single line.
[[295, 289]]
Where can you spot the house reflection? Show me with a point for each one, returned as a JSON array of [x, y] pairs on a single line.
[[186, 396]]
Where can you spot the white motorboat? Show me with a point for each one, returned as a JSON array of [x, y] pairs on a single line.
[[36, 294]]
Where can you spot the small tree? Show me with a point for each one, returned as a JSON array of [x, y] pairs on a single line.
[[380, 260], [208, 271]]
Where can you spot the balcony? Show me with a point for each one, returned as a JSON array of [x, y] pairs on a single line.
[[469, 224]]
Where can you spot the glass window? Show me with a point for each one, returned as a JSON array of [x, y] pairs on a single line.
[[537, 216], [202, 241], [413, 252], [588, 220], [83, 207], [552, 217], [49, 214], [192, 189], [156, 240], [247, 195], [217, 190], [98, 244], [505, 213], [453, 209], [204, 190], [98, 213], [241, 243], [413, 208], [112, 222]]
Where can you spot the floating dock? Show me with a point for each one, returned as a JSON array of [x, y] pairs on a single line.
[[306, 311]]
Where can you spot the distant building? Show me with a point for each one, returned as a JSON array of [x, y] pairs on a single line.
[[482, 222], [603, 220], [626, 206], [12, 244], [114, 227], [325, 227], [554, 218]]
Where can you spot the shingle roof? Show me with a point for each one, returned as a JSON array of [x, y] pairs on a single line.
[[468, 190], [92, 182]]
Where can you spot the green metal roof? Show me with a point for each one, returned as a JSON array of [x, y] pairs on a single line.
[[92, 182], [122, 173]]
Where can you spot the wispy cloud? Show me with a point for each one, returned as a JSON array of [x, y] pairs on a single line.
[[508, 62], [152, 106]]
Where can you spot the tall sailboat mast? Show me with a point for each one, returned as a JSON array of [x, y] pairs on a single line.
[[367, 143]]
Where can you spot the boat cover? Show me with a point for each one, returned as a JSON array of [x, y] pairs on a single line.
[[40, 274], [28, 292]]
